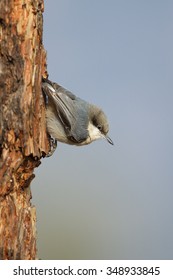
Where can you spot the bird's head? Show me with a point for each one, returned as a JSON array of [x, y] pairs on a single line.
[[98, 124]]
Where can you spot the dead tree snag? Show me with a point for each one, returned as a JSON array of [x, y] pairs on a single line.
[[23, 138]]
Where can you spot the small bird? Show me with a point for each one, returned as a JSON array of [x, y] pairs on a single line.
[[72, 120]]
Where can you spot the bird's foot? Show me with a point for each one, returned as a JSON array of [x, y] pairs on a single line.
[[53, 145]]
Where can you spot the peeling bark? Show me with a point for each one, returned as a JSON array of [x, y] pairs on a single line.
[[23, 137]]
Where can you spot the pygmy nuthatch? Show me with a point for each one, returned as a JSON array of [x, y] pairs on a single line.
[[72, 120]]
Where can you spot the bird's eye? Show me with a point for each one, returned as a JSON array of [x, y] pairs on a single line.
[[99, 127]]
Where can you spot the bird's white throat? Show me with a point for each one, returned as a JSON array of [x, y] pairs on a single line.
[[94, 132]]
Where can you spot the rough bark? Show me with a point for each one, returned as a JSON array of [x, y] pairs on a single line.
[[23, 138]]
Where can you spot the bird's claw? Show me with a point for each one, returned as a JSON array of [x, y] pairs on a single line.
[[53, 145]]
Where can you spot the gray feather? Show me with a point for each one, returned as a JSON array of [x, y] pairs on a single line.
[[73, 118]]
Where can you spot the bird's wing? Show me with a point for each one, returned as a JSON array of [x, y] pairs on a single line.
[[72, 115]]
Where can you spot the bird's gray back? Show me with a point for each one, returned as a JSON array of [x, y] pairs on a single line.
[[71, 110]]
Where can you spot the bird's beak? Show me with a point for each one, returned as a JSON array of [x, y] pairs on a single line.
[[109, 140]]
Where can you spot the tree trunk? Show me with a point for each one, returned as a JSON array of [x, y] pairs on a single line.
[[23, 138]]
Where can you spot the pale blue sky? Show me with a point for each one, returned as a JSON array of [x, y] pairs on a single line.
[[103, 201]]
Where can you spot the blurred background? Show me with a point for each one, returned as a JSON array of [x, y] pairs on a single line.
[[103, 201]]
